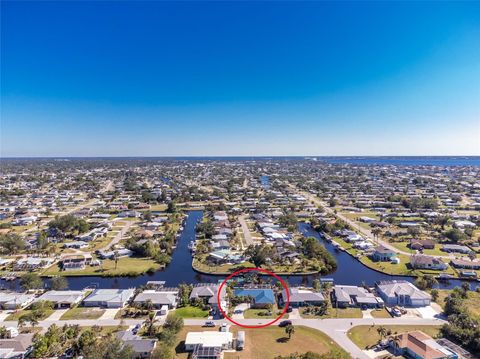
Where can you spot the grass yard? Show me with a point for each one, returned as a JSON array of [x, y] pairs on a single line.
[[270, 342], [257, 314], [380, 313], [365, 336], [82, 313], [126, 267], [191, 312], [472, 302], [336, 313], [19, 313]]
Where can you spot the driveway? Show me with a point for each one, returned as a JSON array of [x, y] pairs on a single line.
[[241, 307], [56, 315], [109, 313]]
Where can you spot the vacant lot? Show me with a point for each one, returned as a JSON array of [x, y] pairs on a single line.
[[191, 312], [82, 313], [365, 336], [472, 303]]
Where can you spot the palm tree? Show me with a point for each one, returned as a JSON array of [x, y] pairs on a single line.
[[150, 323], [376, 232], [289, 330], [148, 305], [115, 257], [382, 331]]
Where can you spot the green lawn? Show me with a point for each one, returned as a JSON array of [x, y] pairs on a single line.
[[335, 313], [82, 313], [380, 313], [257, 314], [366, 336], [126, 266], [270, 342], [191, 312], [19, 313]]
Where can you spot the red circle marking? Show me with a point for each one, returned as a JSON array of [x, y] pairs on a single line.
[[253, 270]]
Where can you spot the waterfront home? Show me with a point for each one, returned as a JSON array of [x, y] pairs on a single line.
[[344, 296], [208, 293], [421, 244], [401, 292], [29, 264], [261, 297], [417, 344], [109, 298], [63, 298], [121, 252], [15, 300], [224, 256], [302, 297], [465, 263], [420, 261], [76, 261], [75, 244], [158, 298], [383, 254], [456, 248], [17, 347], [212, 340]]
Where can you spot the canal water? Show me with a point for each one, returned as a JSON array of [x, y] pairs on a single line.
[[349, 270]]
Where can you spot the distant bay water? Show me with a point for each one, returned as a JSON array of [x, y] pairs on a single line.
[[441, 161]]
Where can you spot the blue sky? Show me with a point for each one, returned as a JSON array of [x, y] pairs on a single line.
[[239, 78]]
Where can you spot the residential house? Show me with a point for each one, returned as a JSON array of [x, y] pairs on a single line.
[[165, 296], [14, 300], [63, 298], [208, 339], [456, 248], [17, 347], [76, 261], [208, 293], [109, 298], [421, 244], [302, 297], [142, 348], [401, 292], [419, 345], [29, 264], [344, 296], [262, 297], [465, 263], [383, 254], [420, 261]]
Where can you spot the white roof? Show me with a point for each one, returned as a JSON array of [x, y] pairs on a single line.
[[209, 339]]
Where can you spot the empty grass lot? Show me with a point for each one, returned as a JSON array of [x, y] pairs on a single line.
[[472, 303], [191, 312], [82, 313], [365, 336], [19, 313]]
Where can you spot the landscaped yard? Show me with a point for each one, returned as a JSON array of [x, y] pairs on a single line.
[[335, 313], [257, 314], [365, 336], [191, 312], [19, 313], [82, 313], [126, 266], [270, 342]]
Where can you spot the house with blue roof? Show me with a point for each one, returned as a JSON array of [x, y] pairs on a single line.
[[262, 298]]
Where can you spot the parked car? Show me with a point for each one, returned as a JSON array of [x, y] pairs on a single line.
[[396, 312], [209, 324], [136, 328], [289, 309], [284, 323]]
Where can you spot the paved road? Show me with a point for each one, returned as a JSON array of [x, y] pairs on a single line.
[[337, 329], [119, 235], [246, 232]]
